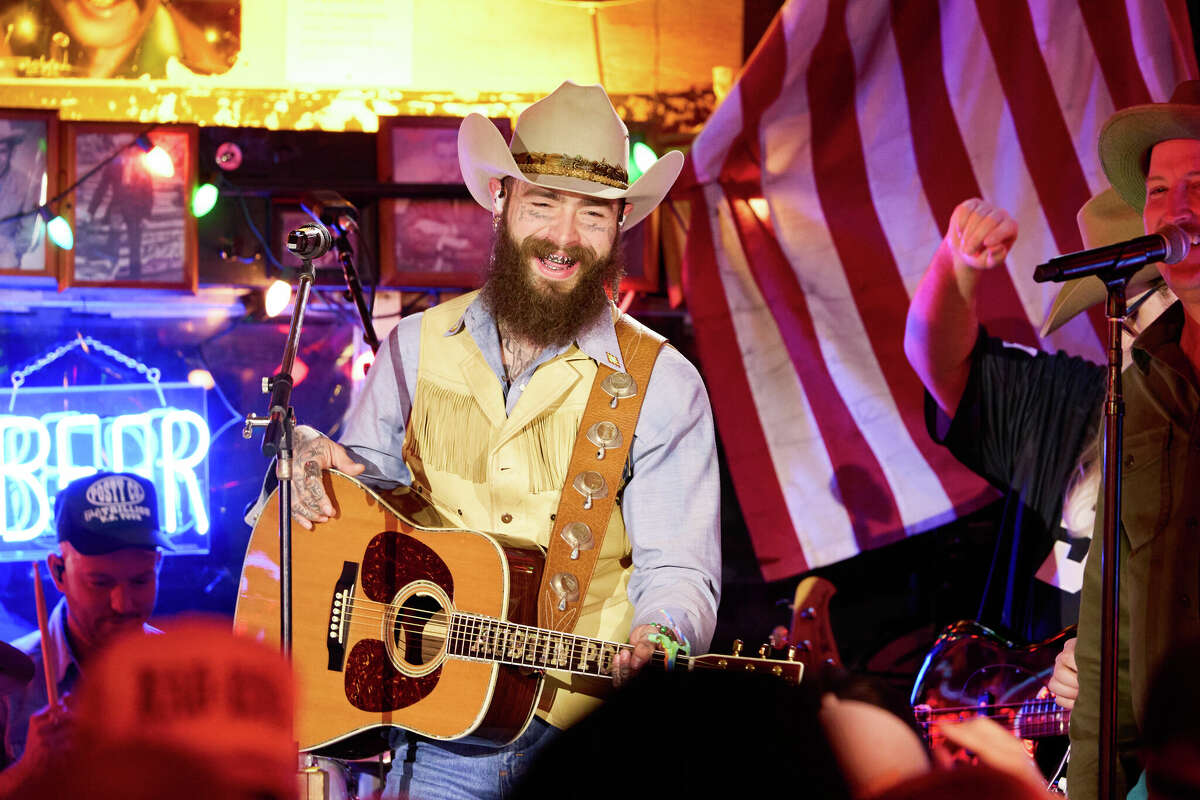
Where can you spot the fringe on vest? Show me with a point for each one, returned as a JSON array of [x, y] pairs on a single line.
[[446, 429]]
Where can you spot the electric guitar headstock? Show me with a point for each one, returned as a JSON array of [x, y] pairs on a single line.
[[810, 639]]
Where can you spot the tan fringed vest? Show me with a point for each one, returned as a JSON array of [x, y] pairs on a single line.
[[492, 472]]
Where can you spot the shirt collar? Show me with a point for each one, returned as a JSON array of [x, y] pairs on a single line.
[[1164, 331], [597, 339]]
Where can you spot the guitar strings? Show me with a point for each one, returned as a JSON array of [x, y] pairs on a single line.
[[454, 629], [956, 709]]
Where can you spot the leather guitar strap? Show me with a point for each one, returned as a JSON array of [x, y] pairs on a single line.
[[594, 476]]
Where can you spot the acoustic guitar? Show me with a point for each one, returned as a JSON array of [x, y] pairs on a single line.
[[400, 621]]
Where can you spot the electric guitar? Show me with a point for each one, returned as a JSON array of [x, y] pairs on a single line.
[[972, 671], [399, 621]]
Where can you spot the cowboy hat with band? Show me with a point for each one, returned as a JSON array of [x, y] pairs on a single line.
[[1115, 215], [570, 141]]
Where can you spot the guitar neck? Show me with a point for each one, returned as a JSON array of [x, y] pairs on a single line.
[[1030, 719], [477, 638], [473, 637]]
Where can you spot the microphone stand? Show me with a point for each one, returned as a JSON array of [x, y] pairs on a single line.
[[341, 243], [1114, 414], [280, 425]]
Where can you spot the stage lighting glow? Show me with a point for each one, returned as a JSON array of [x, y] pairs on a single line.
[[362, 363], [760, 207], [204, 198], [202, 378], [279, 294]]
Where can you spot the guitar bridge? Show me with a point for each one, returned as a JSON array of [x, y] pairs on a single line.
[[340, 611]]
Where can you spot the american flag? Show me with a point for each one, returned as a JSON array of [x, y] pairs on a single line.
[[815, 197]]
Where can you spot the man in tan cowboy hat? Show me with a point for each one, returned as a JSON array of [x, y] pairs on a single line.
[[1151, 155], [477, 402]]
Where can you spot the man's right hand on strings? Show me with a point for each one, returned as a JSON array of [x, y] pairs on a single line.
[[316, 452]]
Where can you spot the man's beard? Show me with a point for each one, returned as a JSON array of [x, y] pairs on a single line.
[[526, 306]]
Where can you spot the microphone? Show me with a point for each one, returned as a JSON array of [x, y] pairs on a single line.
[[311, 240], [1170, 245]]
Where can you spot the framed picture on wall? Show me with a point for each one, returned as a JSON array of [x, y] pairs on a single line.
[[131, 210], [438, 236], [28, 172]]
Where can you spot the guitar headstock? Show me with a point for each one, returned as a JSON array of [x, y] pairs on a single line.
[[790, 671], [811, 635]]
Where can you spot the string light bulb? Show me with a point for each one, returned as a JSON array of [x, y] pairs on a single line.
[[58, 229], [204, 199], [157, 160]]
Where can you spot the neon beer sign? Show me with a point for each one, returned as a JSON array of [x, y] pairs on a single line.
[[52, 436]]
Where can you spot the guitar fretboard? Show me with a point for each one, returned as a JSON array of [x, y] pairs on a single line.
[[1027, 719], [478, 638]]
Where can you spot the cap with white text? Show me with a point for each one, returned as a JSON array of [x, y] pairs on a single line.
[[108, 511]]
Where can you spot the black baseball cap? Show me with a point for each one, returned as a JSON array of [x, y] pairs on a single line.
[[108, 511]]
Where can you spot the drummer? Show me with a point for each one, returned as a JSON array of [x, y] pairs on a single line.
[[107, 570]]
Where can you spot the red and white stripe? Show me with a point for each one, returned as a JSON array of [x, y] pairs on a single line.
[[816, 195]]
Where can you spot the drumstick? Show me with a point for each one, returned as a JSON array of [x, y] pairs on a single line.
[[49, 661]]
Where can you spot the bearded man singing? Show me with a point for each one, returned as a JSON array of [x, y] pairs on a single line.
[[477, 402]]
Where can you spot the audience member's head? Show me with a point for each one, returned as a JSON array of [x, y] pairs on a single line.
[[692, 733], [974, 781], [1171, 726], [107, 567], [196, 712]]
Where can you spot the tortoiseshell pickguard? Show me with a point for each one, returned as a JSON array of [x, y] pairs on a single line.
[[392, 560]]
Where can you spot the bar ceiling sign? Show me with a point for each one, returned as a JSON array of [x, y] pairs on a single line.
[[50, 436]]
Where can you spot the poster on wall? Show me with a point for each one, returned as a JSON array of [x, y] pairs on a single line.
[[28, 162], [132, 223], [118, 38], [438, 236]]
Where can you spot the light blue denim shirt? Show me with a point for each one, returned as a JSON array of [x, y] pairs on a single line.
[[671, 502]]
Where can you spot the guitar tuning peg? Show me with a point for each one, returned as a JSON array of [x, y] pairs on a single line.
[[764, 650], [779, 637], [737, 647], [808, 613], [791, 654], [805, 645]]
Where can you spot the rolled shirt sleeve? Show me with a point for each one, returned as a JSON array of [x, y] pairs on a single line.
[[375, 426], [671, 505]]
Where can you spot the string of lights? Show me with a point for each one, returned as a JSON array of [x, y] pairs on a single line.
[[156, 160]]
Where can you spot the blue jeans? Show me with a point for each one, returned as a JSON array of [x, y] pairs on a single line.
[[423, 769]]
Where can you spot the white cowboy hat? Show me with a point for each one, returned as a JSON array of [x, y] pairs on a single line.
[[572, 140], [1105, 219]]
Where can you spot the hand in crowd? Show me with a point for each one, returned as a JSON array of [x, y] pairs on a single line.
[[1065, 680], [628, 662], [992, 745], [315, 452], [50, 741], [980, 234]]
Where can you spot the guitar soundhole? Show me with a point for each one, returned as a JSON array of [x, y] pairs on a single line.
[[420, 630]]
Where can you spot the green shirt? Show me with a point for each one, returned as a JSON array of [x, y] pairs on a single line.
[[1159, 548]]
